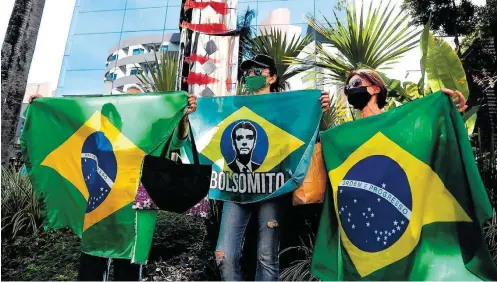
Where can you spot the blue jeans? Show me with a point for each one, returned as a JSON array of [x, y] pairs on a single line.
[[234, 223]]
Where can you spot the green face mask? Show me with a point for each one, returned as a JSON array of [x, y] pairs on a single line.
[[255, 83]]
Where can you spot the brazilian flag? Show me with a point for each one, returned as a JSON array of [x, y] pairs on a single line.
[[84, 158], [259, 146], [407, 201]]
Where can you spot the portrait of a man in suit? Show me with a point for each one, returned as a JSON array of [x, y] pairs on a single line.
[[244, 140]]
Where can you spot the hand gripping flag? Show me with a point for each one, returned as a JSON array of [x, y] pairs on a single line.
[[260, 146], [84, 157], [407, 201]]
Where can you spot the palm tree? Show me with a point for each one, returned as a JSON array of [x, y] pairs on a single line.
[[279, 46], [376, 40], [161, 73], [245, 31], [17, 53]]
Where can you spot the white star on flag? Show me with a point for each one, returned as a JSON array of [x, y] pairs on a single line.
[[383, 185], [353, 226], [367, 224], [395, 222]]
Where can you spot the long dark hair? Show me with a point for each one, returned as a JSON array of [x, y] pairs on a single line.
[[274, 87]]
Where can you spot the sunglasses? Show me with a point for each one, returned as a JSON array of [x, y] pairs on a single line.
[[354, 83], [255, 71]]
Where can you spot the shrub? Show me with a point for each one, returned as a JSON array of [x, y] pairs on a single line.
[[300, 269], [21, 210]]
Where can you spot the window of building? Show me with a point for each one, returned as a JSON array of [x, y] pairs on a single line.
[[133, 72], [113, 57], [164, 48], [112, 76], [138, 51]]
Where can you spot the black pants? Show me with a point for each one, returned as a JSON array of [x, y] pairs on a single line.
[[92, 268]]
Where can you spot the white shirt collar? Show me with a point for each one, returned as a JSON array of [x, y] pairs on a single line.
[[242, 166]]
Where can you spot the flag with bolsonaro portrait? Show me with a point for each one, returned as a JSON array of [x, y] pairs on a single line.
[[260, 146]]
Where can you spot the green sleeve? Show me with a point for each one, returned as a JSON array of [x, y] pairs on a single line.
[[176, 141], [176, 144]]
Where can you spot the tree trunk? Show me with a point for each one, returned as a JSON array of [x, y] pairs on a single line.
[[17, 53]]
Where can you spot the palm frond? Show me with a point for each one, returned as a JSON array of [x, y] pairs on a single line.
[[376, 39], [161, 75], [337, 114], [279, 46]]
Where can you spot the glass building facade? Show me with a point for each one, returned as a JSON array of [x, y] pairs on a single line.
[[107, 39]]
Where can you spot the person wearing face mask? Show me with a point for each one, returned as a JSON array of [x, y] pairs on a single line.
[[366, 91], [260, 75]]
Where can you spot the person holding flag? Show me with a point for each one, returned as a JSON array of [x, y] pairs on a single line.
[[366, 91], [406, 200], [260, 76], [96, 268]]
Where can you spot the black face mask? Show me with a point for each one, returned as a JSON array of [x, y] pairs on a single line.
[[358, 97]]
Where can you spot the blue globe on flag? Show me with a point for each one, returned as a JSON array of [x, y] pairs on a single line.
[[99, 167], [374, 208]]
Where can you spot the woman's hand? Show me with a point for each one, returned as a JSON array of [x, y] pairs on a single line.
[[32, 97], [325, 101], [192, 104], [458, 98], [183, 125]]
